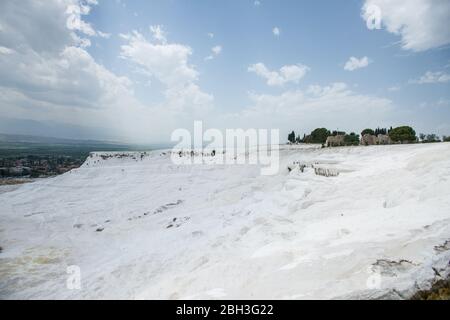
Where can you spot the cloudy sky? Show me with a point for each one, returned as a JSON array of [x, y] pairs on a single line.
[[136, 70]]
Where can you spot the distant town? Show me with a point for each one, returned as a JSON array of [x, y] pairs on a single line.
[[38, 166], [23, 158]]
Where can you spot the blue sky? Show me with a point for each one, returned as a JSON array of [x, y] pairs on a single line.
[[295, 78], [321, 34]]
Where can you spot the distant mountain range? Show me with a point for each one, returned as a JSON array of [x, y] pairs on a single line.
[[7, 140], [18, 138], [31, 131], [54, 129]]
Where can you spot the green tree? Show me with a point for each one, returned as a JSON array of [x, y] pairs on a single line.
[[319, 135], [404, 134], [338, 133], [291, 137], [367, 131], [432, 138], [422, 137], [380, 131], [351, 139]]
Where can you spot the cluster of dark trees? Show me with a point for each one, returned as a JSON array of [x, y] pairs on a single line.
[[320, 136], [430, 138], [376, 132], [292, 138], [403, 134], [351, 139]]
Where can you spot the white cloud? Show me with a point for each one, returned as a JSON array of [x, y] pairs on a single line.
[[216, 50], [210, 35], [71, 78], [49, 65], [443, 102], [333, 106], [104, 35], [355, 63], [276, 31], [48, 18], [421, 24], [5, 50], [60, 22], [168, 63], [394, 88], [75, 11], [158, 33], [289, 73], [432, 77], [51, 77]]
